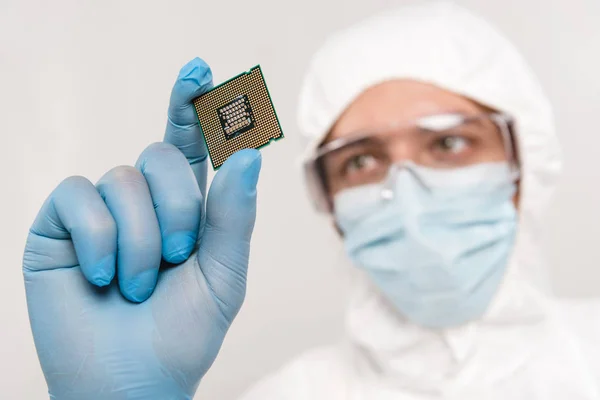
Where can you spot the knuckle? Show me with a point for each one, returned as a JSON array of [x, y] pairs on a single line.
[[160, 151], [122, 174], [158, 156], [74, 182], [103, 227], [71, 187], [180, 204], [97, 230], [147, 245], [160, 147]]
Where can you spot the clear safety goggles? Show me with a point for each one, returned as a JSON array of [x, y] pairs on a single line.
[[441, 141]]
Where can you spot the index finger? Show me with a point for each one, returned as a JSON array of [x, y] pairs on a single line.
[[183, 131]]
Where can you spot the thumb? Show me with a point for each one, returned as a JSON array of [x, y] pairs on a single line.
[[225, 244]]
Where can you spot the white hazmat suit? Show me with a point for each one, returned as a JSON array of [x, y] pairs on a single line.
[[527, 345]]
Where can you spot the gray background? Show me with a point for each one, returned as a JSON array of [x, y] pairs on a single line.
[[84, 86]]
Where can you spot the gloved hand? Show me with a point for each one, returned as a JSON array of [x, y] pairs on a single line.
[[96, 253]]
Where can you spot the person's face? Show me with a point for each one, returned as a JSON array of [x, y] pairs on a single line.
[[397, 103]]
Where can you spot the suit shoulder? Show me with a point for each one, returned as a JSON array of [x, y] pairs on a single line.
[[315, 374]]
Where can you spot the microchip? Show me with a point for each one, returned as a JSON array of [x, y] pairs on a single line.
[[237, 114]]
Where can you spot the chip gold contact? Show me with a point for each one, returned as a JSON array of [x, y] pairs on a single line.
[[237, 114]]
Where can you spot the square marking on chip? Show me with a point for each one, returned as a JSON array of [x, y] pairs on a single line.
[[237, 114]]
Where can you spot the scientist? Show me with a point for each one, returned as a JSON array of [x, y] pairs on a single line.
[[432, 148]]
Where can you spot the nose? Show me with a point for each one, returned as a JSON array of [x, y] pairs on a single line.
[[401, 150]]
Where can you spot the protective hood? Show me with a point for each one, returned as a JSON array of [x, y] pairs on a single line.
[[444, 45]]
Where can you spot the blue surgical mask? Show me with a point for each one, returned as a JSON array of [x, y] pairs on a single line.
[[435, 242]]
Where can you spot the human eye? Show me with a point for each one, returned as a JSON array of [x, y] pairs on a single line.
[[451, 144], [359, 163], [357, 166]]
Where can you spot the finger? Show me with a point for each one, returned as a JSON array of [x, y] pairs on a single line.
[[183, 131], [74, 227], [230, 215], [176, 198], [126, 194]]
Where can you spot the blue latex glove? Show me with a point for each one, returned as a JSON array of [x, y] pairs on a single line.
[[101, 337]]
